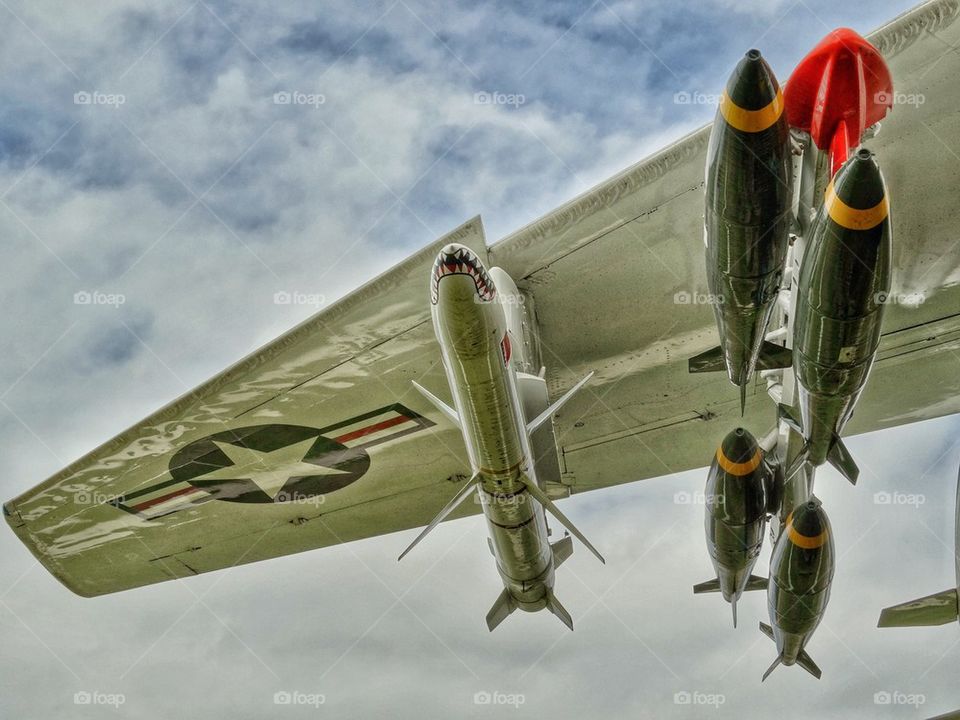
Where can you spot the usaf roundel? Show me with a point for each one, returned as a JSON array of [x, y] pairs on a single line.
[[273, 463]]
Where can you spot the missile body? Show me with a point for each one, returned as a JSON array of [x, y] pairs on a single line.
[[471, 328], [801, 570], [844, 279], [747, 220], [735, 516]]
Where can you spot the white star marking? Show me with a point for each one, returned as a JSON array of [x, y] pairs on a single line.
[[270, 471]]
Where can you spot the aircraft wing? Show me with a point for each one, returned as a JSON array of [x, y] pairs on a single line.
[[613, 280]]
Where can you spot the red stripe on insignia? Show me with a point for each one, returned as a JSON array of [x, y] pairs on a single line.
[[370, 429], [164, 498]]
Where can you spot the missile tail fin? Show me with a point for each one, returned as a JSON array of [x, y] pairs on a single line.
[[807, 663], [937, 609], [541, 497], [502, 607], [555, 407], [710, 361], [743, 397], [766, 630], [733, 607], [439, 404], [707, 586], [562, 549], [756, 583], [798, 462], [785, 413], [840, 458], [774, 357], [462, 495], [554, 606], [772, 667]]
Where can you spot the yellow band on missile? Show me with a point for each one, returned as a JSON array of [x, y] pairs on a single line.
[[852, 218], [751, 120], [735, 468], [804, 541]]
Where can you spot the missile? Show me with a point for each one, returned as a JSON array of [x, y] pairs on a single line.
[[471, 322], [844, 280], [801, 570], [747, 221], [735, 516]]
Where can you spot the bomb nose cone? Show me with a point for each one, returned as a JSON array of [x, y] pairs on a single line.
[[752, 101], [808, 525], [858, 183], [739, 453]]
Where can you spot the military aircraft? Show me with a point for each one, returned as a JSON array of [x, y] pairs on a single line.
[[555, 361]]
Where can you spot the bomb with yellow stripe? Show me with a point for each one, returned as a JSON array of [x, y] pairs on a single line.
[[747, 221], [736, 515], [844, 280], [801, 571]]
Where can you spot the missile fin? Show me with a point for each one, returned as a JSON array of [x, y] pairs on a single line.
[[772, 667], [743, 397], [710, 361], [840, 458], [541, 497], [786, 414], [757, 583], [774, 357], [554, 606], [766, 630], [937, 609], [733, 607], [502, 607], [707, 586], [439, 404], [562, 549], [807, 663], [457, 499], [555, 407], [798, 463]]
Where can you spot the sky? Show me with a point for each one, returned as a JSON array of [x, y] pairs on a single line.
[[167, 169]]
